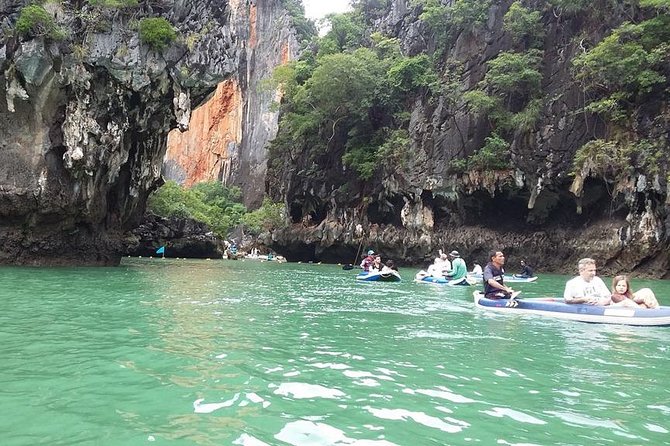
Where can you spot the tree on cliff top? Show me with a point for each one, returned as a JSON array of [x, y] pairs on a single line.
[[209, 202]]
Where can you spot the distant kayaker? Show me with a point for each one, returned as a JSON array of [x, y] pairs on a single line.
[[587, 288], [440, 266], [389, 266], [476, 269], [494, 286], [458, 267], [526, 271], [368, 261], [376, 265]]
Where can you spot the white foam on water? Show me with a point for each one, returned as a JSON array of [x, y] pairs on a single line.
[[418, 417], [517, 444], [447, 395], [248, 440], [304, 390], [656, 428], [581, 420], [521, 417], [362, 374], [254, 398], [330, 365], [664, 409], [200, 407], [308, 433], [367, 382]]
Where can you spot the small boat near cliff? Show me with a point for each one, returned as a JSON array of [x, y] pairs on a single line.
[[556, 308], [424, 277], [508, 278], [379, 276]]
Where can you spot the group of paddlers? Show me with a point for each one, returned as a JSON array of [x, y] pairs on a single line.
[[372, 263]]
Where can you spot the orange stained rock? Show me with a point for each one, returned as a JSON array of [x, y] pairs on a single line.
[[202, 151], [285, 53]]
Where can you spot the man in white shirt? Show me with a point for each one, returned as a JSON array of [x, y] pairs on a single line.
[[477, 269], [440, 266], [586, 288]]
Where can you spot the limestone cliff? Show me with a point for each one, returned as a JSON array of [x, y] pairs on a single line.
[[229, 133], [533, 210], [85, 111]]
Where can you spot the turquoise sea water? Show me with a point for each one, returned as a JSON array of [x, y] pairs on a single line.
[[186, 352]]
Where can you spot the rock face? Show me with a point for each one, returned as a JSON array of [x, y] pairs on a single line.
[[228, 134], [84, 120], [536, 210], [181, 237]]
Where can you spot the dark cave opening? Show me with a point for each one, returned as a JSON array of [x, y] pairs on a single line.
[[508, 209], [309, 210], [386, 211], [440, 206], [505, 211]]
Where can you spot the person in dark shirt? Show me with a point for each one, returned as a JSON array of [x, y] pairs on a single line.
[[526, 271], [494, 286], [390, 264]]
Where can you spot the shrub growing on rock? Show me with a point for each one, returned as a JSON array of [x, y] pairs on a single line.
[[35, 21], [157, 32]]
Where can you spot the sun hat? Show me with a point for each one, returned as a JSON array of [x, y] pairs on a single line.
[[454, 254]]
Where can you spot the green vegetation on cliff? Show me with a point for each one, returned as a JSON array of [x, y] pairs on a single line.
[[304, 27], [216, 205], [209, 202], [156, 32], [623, 76], [68, 22], [269, 216], [347, 100], [35, 21], [347, 97]]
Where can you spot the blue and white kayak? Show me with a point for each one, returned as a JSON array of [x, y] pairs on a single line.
[[507, 278], [390, 276], [423, 277], [558, 309]]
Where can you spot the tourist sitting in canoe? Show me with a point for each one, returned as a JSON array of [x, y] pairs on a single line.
[[440, 266], [389, 266], [586, 288], [494, 286], [368, 260], [380, 272], [526, 271], [458, 267], [376, 265], [476, 269], [442, 271], [623, 295]]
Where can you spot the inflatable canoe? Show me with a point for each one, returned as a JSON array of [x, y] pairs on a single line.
[[508, 278], [391, 276], [556, 308], [423, 277]]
